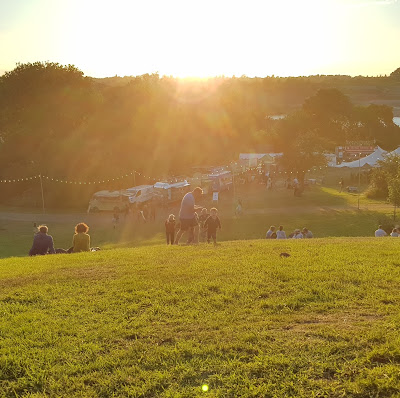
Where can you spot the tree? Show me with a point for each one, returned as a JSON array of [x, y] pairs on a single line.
[[396, 74], [394, 194], [383, 177], [302, 147]]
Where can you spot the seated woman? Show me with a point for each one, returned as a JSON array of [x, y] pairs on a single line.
[[42, 243], [81, 240]]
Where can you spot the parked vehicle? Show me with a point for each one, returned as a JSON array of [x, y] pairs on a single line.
[[108, 201], [140, 194], [119, 200], [171, 192]]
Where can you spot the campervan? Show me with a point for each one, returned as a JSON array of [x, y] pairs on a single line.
[[140, 194], [171, 192], [108, 201], [119, 200]]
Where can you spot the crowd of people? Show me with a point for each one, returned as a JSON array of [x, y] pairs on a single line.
[[43, 243], [279, 233]]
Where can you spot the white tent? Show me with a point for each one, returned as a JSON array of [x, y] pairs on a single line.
[[395, 152], [370, 160]]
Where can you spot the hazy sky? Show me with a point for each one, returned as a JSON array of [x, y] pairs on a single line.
[[204, 37]]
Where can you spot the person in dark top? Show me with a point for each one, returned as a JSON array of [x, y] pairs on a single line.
[[42, 243], [170, 229], [211, 224]]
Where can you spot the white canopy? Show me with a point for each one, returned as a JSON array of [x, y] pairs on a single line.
[[370, 160], [395, 152]]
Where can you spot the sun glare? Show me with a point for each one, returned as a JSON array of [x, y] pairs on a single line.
[[188, 40]]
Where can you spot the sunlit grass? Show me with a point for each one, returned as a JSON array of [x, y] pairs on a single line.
[[165, 321]]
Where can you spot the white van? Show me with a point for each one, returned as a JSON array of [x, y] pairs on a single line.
[[140, 194], [108, 201], [171, 192], [119, 200]]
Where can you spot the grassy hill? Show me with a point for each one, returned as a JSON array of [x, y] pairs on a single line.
[[161, 321]]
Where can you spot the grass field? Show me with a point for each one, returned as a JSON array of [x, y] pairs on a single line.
[[325, 211], [158, 321]]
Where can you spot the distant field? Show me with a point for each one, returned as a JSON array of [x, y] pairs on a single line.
[[324, 210], [162, 321]]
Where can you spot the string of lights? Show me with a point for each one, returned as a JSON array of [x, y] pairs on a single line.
[[75, 182], [105, 180]]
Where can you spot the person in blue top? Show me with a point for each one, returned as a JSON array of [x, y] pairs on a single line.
[[187, 215], [42, 243]]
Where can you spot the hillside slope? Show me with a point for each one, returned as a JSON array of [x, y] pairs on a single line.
[[237, 318]]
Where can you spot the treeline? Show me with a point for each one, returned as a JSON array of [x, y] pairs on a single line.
[[58, 123]]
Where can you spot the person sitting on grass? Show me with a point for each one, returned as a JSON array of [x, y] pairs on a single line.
[[307, 234], [81, 239], [379, 233], [271, 234], [394, 233], [297, 234], [211, 224], [280, 234], [42, 243]]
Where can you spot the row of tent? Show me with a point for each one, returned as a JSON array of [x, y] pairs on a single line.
[[370, 160]]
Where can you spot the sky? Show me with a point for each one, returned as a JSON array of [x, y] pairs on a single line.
[[203, 38]]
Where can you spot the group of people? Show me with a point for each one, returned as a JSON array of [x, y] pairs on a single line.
[[380, 232], [43, 243], [279, 233], [198, 227]]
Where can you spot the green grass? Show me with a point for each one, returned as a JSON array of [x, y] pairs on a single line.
[[160, 321]]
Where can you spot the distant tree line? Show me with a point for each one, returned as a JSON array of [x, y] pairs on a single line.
[[56, 122]]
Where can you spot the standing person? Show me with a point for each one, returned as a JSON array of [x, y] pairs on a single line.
[[170, 229], [239, 208], [269, 183], [81, 239], [380, 232], [341, 184], [280, 234], [42, 243], [271, 234], [186, 214], [296, 187], [211, 224], [115, 219]]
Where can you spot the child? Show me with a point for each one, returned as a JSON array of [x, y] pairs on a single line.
[[193, 233], [202, 219], [170, 229], [211, 224]]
